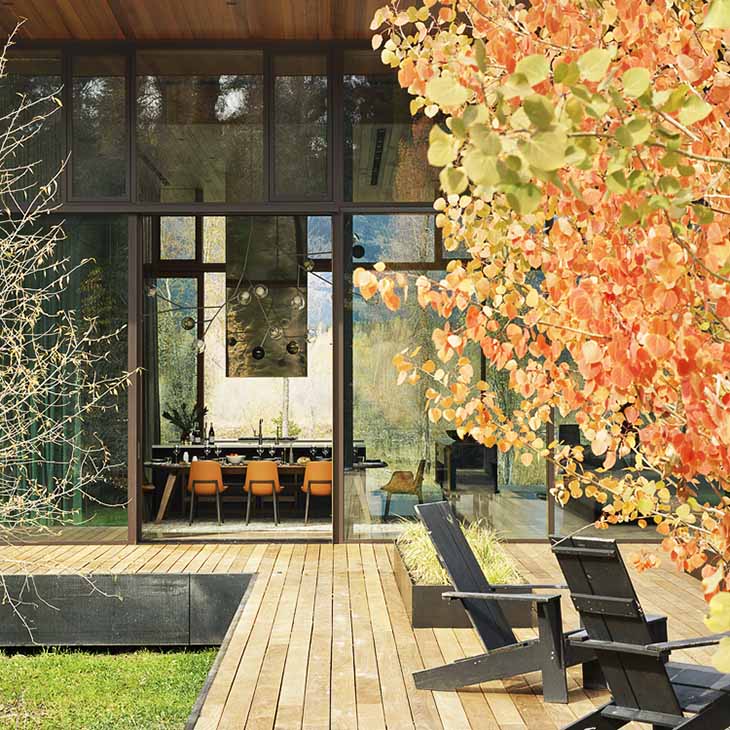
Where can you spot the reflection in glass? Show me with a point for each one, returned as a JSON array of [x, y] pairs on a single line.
[[395, 238], [300, 126], [177, 237], [171, 361], [385, 146], [200, 126], [98, 290], [99, 137], [578, 512], [35, 75], [425, 460]]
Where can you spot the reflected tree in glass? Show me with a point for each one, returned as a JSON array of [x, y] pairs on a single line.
[[99, 135]]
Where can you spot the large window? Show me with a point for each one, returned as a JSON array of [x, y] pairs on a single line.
[[300, 127], [96, 249], [422, 460], [171, 356], [200, 127], [34, 81], [247, 328], [385, 147], [99, 131]]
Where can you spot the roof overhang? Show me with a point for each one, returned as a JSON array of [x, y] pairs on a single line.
[[190, 20]]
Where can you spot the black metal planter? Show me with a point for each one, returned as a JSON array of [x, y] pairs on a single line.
[[426, 608]]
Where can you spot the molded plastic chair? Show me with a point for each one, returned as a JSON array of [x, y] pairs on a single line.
[[206, 480], [262, 480], [404, 482], [317, 482]]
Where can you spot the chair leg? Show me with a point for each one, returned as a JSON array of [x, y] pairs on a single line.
[[386, 511], [192, 505], [276, 511], [218, 505], [306, 509], [248, 506], [550, 633], [497, 664], [593, 675]]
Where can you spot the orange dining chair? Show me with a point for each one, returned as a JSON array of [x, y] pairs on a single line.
[[317, 482], [262, 480], [206, 480]]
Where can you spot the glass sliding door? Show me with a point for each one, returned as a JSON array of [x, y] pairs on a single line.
[[71, 460], [404, 457], [394, 466], [238, 325]]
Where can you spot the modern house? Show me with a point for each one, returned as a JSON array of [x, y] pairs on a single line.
[[230, 163]]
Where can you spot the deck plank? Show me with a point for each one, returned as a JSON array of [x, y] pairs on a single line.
[[317, 700], [290, 711]]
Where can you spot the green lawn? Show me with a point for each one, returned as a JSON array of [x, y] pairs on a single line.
[[78, 690]]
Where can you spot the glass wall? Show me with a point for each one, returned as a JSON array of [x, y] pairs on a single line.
[[34, 80], [96, 250], [200, 126], [222, 141], [385, 147], [420, 460], [99, 128], [171, 355], [300, 127]]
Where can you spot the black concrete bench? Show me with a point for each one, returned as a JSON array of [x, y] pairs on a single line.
[[124, 609]]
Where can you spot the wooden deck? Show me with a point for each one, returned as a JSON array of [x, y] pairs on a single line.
[[324, 642]]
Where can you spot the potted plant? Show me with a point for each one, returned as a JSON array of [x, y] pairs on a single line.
[[185, 418], [421, 580]]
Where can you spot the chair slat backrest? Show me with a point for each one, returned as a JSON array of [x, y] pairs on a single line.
[[604, 596], [459, 562]]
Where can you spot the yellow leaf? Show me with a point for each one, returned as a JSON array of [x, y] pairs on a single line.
[[526, 458], [532, 299]]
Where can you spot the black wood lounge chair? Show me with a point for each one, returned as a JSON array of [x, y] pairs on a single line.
[[645, 687], [550, 653]]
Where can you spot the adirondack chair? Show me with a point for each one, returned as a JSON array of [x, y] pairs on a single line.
[[645, 687], [505, 657]]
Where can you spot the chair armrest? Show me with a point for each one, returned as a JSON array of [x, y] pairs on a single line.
[[531, 586], [534, 597], [690, 643], [655, 650]]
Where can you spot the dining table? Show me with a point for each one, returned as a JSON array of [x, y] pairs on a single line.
[[176, 470]]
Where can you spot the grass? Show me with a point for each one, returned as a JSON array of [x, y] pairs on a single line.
[[101, 515], [79, 690], [424, 567]]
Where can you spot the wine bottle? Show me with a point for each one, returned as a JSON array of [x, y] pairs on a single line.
[[211, 435]]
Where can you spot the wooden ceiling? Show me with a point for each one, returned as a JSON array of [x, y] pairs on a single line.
[[151, 20]]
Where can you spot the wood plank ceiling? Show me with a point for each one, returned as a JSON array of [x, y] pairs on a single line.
[[151, 20]]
